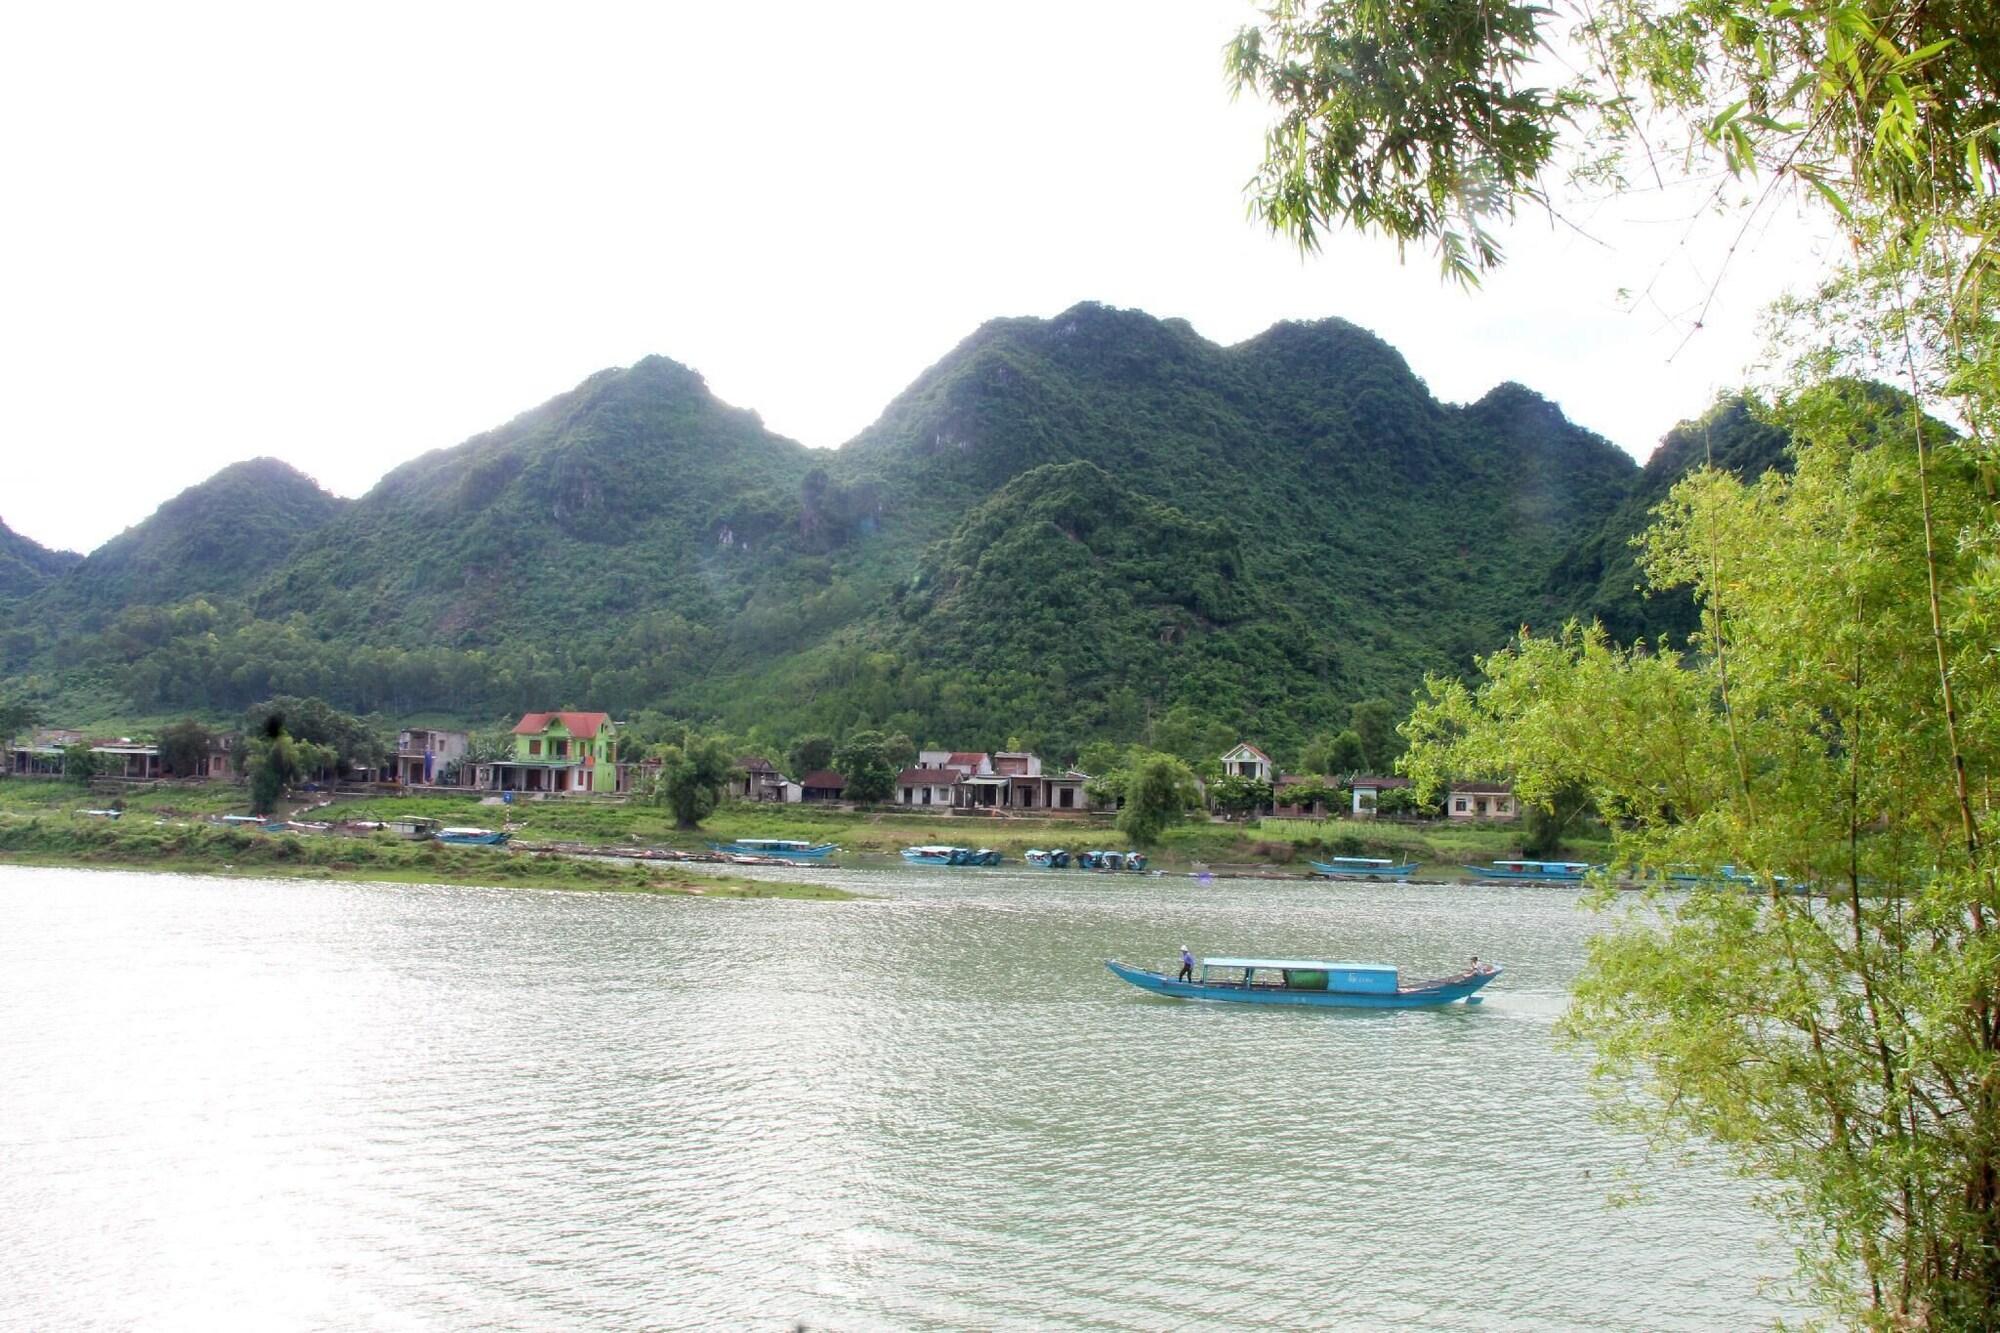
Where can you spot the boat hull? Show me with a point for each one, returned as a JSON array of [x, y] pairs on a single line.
[[1430, 996], [1321, 868], [1528, 876], [819, 853], [471, 840]]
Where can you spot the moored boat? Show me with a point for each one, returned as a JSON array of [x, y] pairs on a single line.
[[472, 837], [938, 854], [416, 826], [787, 849], [1301, 981], [1543, 872], [1053, 859], [1097, 860], [1363, 867]]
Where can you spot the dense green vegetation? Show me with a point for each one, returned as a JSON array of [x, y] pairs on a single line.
[[1836, 719], [26, 565], [1094, 527]]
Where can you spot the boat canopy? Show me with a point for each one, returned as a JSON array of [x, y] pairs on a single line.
[[1297, 965], [1548, 865], [1360, 861]]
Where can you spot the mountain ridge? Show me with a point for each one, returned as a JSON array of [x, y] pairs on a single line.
[[636, 543]]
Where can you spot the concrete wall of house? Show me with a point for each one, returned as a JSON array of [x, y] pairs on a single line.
[[598, 754]]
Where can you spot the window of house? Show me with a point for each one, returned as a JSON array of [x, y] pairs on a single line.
[[561, 749], [1459, 804], [534, 747]]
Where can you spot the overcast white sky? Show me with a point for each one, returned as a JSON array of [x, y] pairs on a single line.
[[346, 236]]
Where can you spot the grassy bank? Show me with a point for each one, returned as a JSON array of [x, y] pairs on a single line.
[[194, 848], [1280, 844]]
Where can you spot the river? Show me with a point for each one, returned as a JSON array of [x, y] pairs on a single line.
[[277, 1104]]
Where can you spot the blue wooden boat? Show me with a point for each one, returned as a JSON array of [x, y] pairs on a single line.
[[1054, 859], [472, 837], [1541, 872], [1111, 861], [1301, 981], [1362, 867], [940, 855], [789, 849]]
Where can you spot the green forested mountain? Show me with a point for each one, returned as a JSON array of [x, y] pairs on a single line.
[[1065, 530], [219, 538], [1598, 577], [26, 565]]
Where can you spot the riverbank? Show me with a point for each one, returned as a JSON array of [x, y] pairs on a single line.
[[188, 847], [1279, 847]]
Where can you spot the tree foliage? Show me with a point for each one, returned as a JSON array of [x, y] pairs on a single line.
[[1830, 725], [863, 759], [1159, 790], [1428, 120], [691, 778], [184, 748], [80, 763], [1234, 795]]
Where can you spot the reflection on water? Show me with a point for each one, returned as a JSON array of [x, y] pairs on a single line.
[[287, 1104]]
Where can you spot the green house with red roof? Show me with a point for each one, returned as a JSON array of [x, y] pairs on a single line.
[[559, 753]]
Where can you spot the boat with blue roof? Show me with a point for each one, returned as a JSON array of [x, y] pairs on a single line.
[[1363, 867], [936, 854], [472, 837], [785, 849], [1540, 872], [1050, 859], [1133, 861], [1310, 982]]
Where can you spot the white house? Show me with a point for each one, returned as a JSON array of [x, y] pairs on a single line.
[[1247, 761], [1367, 788], [1482, 800]]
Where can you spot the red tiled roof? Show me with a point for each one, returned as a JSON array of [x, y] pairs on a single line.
[[826, 777], [579, 724], [755, 763], [972, 757], [1484, 788], [1378, 784], [929, 777]]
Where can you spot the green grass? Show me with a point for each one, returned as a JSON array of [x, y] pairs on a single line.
[[1441, 845], [200, 848]]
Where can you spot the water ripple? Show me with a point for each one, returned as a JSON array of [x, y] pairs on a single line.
[[259, 1105]]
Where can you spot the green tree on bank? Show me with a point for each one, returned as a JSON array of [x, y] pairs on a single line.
[[1159, 791], [1836, 718], [691, 778]]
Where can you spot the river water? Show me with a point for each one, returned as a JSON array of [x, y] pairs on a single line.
[[245, 1104]]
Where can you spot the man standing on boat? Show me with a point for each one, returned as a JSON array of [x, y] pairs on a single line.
[[1187, 965]]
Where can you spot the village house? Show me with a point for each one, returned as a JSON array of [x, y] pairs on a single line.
[[425, 755], [757, 779], [1482, 800], [219, 764], [41, 756], [824, 785], [1247, 761], [1285, 809], [559, 753], [1368, 789], [933, 787], [976, 781]]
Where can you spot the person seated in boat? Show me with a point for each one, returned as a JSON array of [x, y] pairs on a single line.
[[1478, 968], [1187, 965]]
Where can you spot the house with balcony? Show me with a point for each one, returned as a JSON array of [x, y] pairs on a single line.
[[1247, 761], [559, 754], [424, 755], [758, 779]]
